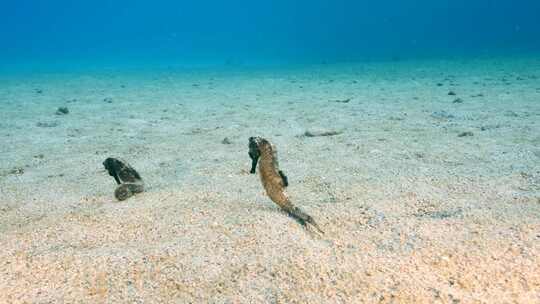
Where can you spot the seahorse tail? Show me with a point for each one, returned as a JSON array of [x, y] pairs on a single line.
[[302, 217]]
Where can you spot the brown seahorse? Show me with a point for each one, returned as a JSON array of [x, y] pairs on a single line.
[[274, 181], [129, 180]]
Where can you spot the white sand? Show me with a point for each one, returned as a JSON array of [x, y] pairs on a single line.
[[412, 212]]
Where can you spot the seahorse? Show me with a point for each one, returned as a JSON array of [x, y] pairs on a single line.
[[129, 180], [274, 181]]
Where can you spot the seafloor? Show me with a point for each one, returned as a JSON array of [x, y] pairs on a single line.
[[425, 197]]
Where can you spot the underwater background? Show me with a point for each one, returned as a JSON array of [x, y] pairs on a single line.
[[261, 32], [408, 131]]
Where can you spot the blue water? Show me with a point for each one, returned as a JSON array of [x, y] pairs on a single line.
[[258, 32]]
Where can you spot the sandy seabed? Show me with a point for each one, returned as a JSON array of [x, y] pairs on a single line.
[[424, 198]]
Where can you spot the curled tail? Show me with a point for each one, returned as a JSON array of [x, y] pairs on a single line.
[[302, 217], [127, 190]]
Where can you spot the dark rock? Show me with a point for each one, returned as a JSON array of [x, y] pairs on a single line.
[[108, 100], [452, 93], [458, 100], [62, 111], [466, 134], [439, 84], [39, 91], [226, 141]]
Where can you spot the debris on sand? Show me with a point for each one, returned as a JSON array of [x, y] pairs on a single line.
[[510, 113], [62, 111], [466, 134], [452, 93], [108, 100], [458, 100], [318, 133], [341, 100], [16, 171], [47, 124], [226, 141], [490, 127]]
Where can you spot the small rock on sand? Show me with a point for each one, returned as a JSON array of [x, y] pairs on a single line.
[[458, 100], [62, 111], [226, 141], [466, 134], [452, 93]]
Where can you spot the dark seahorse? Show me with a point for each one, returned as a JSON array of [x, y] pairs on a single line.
[[129, 180], [274, 181]]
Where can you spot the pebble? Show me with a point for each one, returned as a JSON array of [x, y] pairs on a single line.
[[458, 100], [452, 93], [226, 141], [108, 100]]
